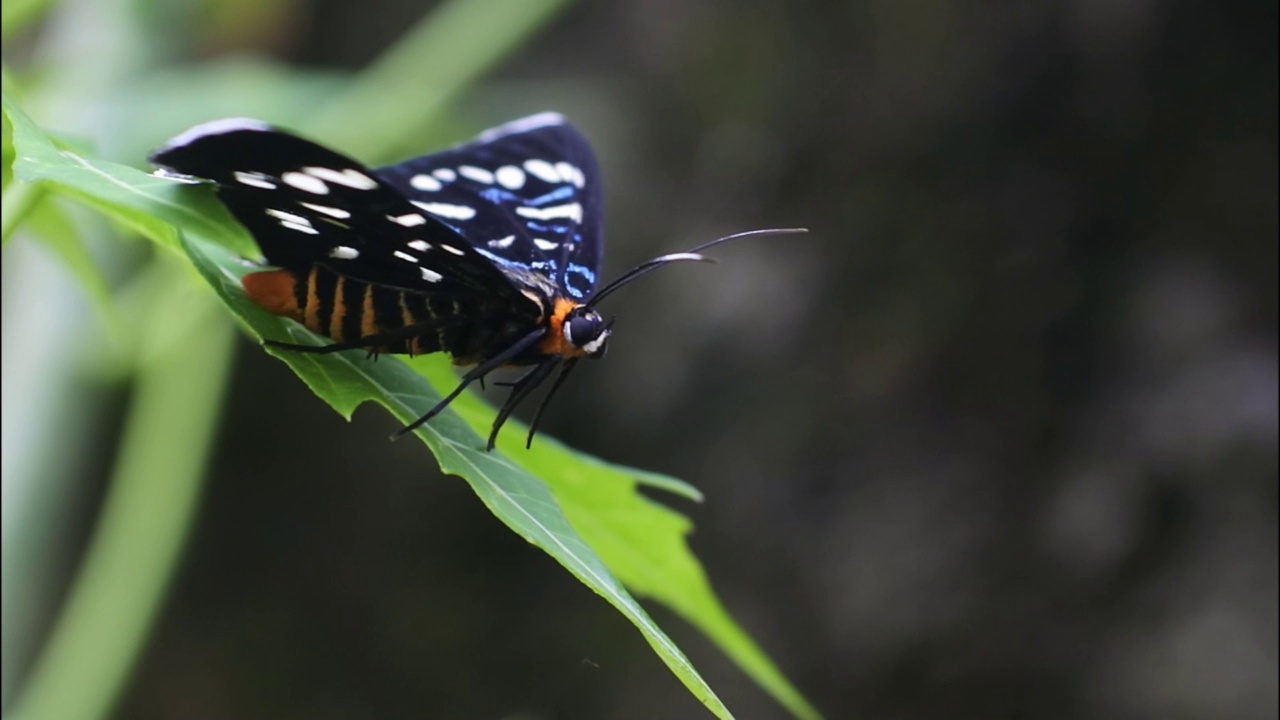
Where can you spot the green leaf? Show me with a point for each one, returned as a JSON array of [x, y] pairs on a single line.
[[518, 499], [151, 205], [642, 542], [6, 150], [50, 223], [19, 201], [584, 512]]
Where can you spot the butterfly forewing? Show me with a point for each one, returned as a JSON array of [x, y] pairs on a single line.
[[525, 194], [306, 204]]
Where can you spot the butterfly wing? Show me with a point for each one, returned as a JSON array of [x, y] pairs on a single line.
[[305, 204], [525, 195]]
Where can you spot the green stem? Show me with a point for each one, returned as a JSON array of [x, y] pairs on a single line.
[[145, 519], [445, 53]]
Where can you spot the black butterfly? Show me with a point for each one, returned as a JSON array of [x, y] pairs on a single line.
[[489, 251]]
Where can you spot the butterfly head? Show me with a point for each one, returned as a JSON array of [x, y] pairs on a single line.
[[586, 331]]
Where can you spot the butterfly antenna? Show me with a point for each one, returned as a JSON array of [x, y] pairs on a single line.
[[749, 233], [691, 255]]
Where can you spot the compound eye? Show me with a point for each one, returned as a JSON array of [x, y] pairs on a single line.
[[583, 329]]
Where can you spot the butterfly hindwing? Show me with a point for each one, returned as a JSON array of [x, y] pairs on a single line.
[[525, 194], [305, 204]]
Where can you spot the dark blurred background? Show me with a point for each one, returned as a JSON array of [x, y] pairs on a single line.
[[997, 440]]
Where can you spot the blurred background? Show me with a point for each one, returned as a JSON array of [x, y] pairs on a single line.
[[998, 439]]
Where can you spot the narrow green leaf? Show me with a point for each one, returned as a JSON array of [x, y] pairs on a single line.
[[6, 148], [18, 201], [165, 442], [429, 66], [149, 204], [49, 222]]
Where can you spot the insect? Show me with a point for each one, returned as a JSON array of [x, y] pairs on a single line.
[[489, 251]]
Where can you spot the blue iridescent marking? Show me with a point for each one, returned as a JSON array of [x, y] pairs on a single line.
[[497, 196], [577, 270], [583, 271], [539, 227], [561, 193], [537, 233], [499, 259]]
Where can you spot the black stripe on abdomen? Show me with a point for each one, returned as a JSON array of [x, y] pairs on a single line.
[[351, 303], [413, 310], [321, 285]]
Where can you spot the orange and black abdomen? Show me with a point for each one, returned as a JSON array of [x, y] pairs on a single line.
[[471, 328], [344, 309]]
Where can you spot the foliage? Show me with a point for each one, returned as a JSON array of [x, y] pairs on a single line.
[[584, 512]]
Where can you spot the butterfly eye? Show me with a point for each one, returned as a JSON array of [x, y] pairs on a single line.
[[583, 329]]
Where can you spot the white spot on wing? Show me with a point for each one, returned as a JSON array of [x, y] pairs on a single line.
[[300, 228], [510, 177], [445, 174], [254, 179], [350, 177], [288, 217], [406, 257], [545, 244], [452, 249], [565, 171], [407, 220], [326, 210], [480, 175], [579, 180], [420, 245], [447, 210], [572, 211], [431, 275], [305, 183], [502, 242], [342, 252], [543, 170], [425, 183]]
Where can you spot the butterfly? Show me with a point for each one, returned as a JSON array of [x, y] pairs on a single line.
[[489, 251]]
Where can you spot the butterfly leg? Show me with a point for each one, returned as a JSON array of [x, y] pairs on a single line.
[[474, 374], [520, 389], [537, 416], [517, 381], [513, 383]]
